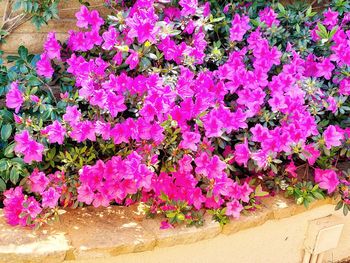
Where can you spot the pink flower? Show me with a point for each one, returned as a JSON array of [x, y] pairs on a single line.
[[242, 153], [133, 59], [14, 198], [189, 7], [83, 17], [72, 114], [43, 66], [86, 18], [110, 38], [142, 25], [31, 149], [38, 181], [18, 207], [240, 25], [197, 198], [55, 132], [234, 208], [85, 194], [344, 86], [165, 225], [332, 137], [190, 140], [332, 104], [206, 9], [14, 98], [311, 153], [210, 167], [52, 47], [34, 98], [50, 198], [115, 104], [330, 18], [269, 16], [325, 68], [95, 20], [82, 131], [327, 179], [291, 169], [31, 207], [241, 192]]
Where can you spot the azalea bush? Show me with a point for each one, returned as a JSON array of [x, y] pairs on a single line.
[[189, 107]]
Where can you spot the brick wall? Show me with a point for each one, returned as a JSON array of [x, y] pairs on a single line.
[[28, 35], [33, 39]]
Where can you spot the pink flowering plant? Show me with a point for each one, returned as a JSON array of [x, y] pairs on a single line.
[[190, 108]]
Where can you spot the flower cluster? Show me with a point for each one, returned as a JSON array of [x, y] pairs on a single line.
[[183, 120]]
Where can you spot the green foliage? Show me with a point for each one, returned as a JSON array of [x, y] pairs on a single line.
[[305, 193]]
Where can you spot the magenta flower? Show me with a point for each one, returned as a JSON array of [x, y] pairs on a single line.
[[18, 207], [311, 153], [55, 132], [86, 18], [14, 98], [210, 167], [197, 198], [133, 59], [327, 179], [85, 194], [95, 20], [82, 131], [110, 38], [52, 47], [165, 225], [234, 208], [83, 17], [240, 25], [190, 140], [38, 181], [50, 198], [14, 198], [142, 25], [31, 207], [325, 69], [332, 104], [344, 87], [115, 104], [72, 115], [189, 7], [31, 149], [43, 66], [291, 169], [242, 153], [330, 18], [332, 136], [269, 17]]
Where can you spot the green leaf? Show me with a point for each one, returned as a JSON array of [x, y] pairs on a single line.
[[23, 52], [318, 195], [8, 152], [3, 165], [345, 209], [14, 175], [259, 192], [281, 8], [300, 200], [33, 81], [339, 205], [6, 131], [2, 185]]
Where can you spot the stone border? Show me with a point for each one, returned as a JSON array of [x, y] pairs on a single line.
[[90, 232]]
